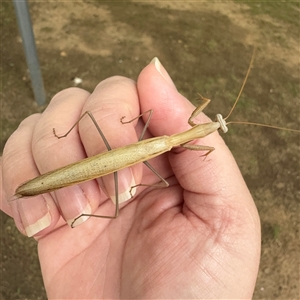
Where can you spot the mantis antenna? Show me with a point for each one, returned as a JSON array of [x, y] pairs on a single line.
[[238, 97]]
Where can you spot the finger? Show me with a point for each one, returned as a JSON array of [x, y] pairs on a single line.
[[217, 178], [113, 99], [51, 153], [63, 111], [31, 215]]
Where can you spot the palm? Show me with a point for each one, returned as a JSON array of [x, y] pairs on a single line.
[[157, 247]]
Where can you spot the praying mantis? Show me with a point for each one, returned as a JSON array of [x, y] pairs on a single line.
[[116, 159]]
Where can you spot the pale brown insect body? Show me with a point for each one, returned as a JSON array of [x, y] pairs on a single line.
[[111, 161]]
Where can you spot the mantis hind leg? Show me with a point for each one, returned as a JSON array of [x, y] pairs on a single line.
[[95, 123], [115, 173], [162, 180], [104, 216], [162, 184], [150, 111]]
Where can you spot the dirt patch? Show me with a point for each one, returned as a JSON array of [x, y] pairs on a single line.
[[206, 47]]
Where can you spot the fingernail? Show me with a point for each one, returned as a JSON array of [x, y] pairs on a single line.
[[126, 195], [73, 203], [79, 220], [34, 214], [125, 183], [39, 225], [160, 68]]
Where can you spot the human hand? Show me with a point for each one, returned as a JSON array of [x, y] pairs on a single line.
[[198, 238]]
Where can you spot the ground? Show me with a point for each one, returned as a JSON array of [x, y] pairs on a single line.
[[206, 47]]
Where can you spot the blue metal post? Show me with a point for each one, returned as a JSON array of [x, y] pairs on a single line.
[[24, 22]]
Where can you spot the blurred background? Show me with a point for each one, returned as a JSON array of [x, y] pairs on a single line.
[[206, 48]]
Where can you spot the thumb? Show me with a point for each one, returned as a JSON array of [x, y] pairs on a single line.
[[216, 179]]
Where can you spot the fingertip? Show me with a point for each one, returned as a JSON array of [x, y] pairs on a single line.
[[35, 216], [163, 72], [73, 93], [128, 178], [158, 92]]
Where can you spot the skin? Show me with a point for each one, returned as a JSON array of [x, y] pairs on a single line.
[[199, 238]]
